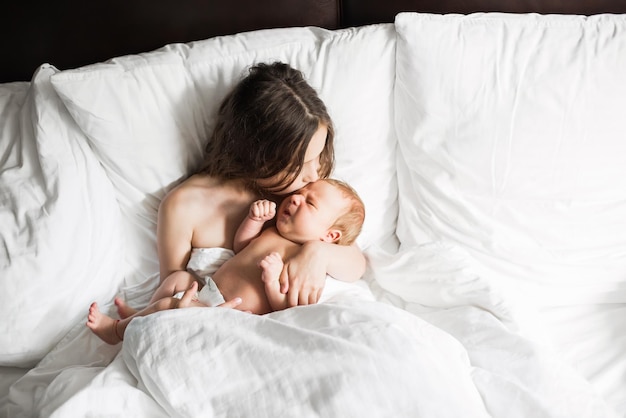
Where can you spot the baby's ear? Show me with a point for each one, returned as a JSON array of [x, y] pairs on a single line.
[[332, 236]]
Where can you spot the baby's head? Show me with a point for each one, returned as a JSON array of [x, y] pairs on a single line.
[[327, 210]]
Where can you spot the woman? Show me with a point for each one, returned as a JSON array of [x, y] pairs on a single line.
[[273, 136]]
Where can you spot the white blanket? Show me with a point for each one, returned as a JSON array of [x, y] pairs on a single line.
[[349, 359], [354, 358], [457, 355]]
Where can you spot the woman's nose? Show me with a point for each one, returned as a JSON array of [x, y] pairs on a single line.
[[310, 174]]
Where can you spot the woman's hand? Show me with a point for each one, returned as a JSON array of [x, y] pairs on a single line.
[[304, 275], [188, 298], [232, 304]]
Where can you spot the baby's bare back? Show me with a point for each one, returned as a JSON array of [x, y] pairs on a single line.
[[241, 275]]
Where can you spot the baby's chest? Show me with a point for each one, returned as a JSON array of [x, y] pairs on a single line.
[[270, 241]]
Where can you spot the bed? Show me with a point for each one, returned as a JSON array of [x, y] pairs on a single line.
[[485, 138]]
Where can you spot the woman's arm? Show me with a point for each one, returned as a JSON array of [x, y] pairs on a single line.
[[304, 275], [174, 233]]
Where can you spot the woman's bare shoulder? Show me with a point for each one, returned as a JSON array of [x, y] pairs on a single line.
[[209, 209], [205, 192], [192, 189]]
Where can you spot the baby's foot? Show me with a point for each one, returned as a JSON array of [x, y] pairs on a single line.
[[271, 266], [103, 325], [123, 310]]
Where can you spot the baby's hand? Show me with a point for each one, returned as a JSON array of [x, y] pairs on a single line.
[[262, 210], [271, 266]]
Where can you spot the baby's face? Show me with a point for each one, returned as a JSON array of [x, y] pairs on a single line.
[[310, 213]]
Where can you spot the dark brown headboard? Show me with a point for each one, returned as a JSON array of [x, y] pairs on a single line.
[[363, 12], [72, 33]]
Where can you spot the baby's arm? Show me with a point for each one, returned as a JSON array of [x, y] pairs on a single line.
[[260, 212], [271, 267]]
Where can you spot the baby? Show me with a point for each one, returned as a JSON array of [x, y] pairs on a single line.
[[327, 210]]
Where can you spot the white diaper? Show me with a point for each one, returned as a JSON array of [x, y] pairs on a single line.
[[209, 295], [203, 263]]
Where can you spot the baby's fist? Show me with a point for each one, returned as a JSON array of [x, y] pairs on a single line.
[[262, 210]]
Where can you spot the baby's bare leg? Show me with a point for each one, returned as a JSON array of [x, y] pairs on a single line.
[[189, 298], [123, 310], [112, 330], [178, 281], [271, 267], [103, 325]]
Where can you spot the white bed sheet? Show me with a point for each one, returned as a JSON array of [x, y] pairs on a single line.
[[8, 376], [574, 351], [460, 349], [592, 338]]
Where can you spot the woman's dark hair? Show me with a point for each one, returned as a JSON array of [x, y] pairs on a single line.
[[264, 126]]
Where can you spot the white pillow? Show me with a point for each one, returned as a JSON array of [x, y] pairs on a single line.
[[60, 223], [148, 116], [511, 135]]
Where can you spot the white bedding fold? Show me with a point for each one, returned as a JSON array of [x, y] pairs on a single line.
[[448, 348], [353, 358], [516, 376]]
